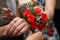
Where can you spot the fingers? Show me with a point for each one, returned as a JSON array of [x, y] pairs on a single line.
[[7, 9], [4, 9], [17, 26], [10, 25], [35, 36], [7, 13], [4, 16], [21, 29]]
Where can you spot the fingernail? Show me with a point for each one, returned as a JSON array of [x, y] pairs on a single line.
[[5, 33]]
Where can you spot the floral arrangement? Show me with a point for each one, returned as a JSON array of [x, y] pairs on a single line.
[[33, 13], [37, 20]]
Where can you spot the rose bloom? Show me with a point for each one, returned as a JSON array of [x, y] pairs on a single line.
[[26, 12], [31, 18], [37, 10], [41, 26], [34, 25], [50, 32], [44, 17]]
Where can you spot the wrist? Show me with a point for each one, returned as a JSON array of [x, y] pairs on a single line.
[[2, 29], [50, 14]]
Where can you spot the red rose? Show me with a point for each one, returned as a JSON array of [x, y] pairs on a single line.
[[41, 26], [44, 17], [34, 25], [37, 10], [26, 12], [50, 32], [31, 18]]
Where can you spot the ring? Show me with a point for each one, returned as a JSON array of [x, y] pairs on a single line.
[[14, 20]]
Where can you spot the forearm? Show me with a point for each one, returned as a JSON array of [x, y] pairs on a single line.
[[50, 7], [2, 31]]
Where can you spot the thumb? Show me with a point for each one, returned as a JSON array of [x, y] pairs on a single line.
[[35, 36]]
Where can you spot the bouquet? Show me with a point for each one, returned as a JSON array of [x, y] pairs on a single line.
[[33, 13]]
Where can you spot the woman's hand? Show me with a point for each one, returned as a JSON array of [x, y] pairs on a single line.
[[16, 27], [35, 36], [7, 14]]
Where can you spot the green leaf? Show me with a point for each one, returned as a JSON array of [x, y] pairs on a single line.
[[38, 19], [38, 0], [47, 24], [29, 4]]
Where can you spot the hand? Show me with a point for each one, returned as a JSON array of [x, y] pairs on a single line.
[[16, 27], [7, 13], [35, 36]]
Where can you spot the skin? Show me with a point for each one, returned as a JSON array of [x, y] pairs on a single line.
[[13, 27], [49, 8], [35, 36], [7, 14], [2, 30], [16, 28]]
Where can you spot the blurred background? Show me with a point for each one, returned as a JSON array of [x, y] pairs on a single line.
[[57, 16]]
